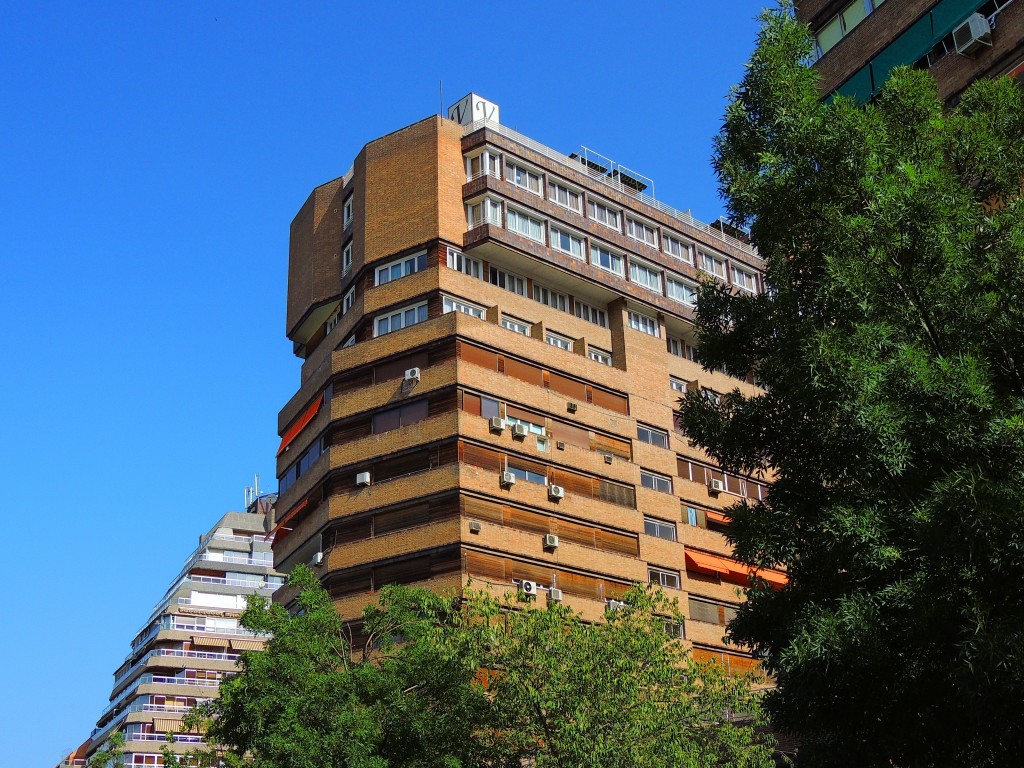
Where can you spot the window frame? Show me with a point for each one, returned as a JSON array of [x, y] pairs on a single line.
[[551, 298], [657, 482], [686, 288], [658, 525], [601, 251], [555, 185], [513, 166], [557, 340], [652, 432], [607, 212], [590, 313], [638, 321], [664, 577], [390, 314], [669, 240], [467, 265], [519, 215], [633, 225], [453, 304], [491, 212], [348, 212], [506, 280], [599, 355], [641, 273], [408, 265], [514, 324], [555, 235], [346, 258], [705, 256]]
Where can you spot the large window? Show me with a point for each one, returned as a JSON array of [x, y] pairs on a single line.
[[681, 290], [513, 324], [590, 313], [402, 318], [678, 248], [550, 298], [507, 280], [463, 263], [396, 269], [599, 355], [557, 341], [486, 211], [711, 264], [652, 436], [605, 259], [346, 215], [564, 196], [656, 482], [525, 225], [848, 18], [348, 300], [402, 416], [458, 305], [645, 233], [744, 280], [663, 578], [643, 323], [660, 528], [680, 348], [567, 242], [644, 275], [602, 213], [526, 475], [677, 385], [523, 177], [485, 164], [346, 259]]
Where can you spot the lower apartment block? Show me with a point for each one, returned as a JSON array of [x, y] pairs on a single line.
[[494, 339]]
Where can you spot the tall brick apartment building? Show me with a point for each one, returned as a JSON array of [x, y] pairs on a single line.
[[494, 336], [958, 41]]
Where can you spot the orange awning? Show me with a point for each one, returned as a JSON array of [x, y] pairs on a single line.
[[300, 424], [287, 518], [775, 578], [718, 517], [702, 561], [241, 644]]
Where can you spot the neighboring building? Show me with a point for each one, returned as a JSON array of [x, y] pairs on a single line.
[[958, 41], [190, 642], [495, 336]]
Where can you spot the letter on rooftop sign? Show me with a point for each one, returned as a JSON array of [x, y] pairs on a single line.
[[471, 108]]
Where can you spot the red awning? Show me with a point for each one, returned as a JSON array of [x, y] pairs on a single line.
[[703, 562], [287, 518], [718, 517], [296, 429]]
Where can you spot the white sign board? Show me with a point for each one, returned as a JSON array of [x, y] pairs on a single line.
[[471, 108]]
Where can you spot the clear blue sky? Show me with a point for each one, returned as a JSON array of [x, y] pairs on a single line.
[[152, 156]]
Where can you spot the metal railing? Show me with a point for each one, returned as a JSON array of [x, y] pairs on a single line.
[[614, 183], [175, 653], [182, 738], [254, 583]]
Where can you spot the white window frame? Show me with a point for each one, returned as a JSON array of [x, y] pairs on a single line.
[[409, 265], [557, 340], [524, 224], [681, 290], [645, 275], [678, 249], [452, 304], [642, 232], [676, 346], [419, 311], [711, 395], [346, 212], [508, 280], [515, 325], [348, 300], [590, 313], [489, 165], [652, 431], [467, 265], [599, 253], [712, 264], [521, 176], [599, 355], [550, 298], [604, 214], [486, 210], [644, 323], [346, 259], [660, 483], [577, 245], [556, 190], [677, 385], [533, 427], [744, 279], [659, 525], [663, 578]]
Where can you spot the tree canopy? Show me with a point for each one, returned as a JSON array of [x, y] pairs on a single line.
[[473, 682], [890, 345]]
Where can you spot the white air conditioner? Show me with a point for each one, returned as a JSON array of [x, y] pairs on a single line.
[[556, 492], [412, 374], [363, 478], [975, 33], [716, 485], [474, 526], [318, 559], [520, 430], [507, 478], [528, 587], [550, 541], [614, 605], [555, 595], [497, 424]]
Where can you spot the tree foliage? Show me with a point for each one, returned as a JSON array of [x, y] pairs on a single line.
[[891, 349], [475, 682]]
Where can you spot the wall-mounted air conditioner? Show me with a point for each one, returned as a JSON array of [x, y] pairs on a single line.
[[363, 478], [529, 588], [556, 492], [497, 424], [318, 559], [474, 526], [520, 430], [550, 541], [507, 478], [412, 375], [716, 486], [555, 595], [973, 35]]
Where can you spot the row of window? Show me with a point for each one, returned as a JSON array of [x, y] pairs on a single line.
[[844, 22]]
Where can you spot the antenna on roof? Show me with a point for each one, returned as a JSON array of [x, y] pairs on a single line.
[[440, 97]]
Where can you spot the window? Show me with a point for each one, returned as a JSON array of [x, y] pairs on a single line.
[[486, 211], [508, 281], [602, 213], [660, 578], [348, 300], [710, 394], [711, 264], [534, 428], [642, 232], [527, 475], [402, 318], [652, 436], [599, 355], [680, 348], [523, 177], [525, 225], [484, 164], [489, 408], [678, 248], [401, 268], [591, 314], [660, 528], [676, 385], [655, 482], [350, 341], [558, 341], [550, 298], [644, 275], [457, 305], [643, 323], [681, 290], [605, 259], [465, 264], [567, 243], [744, 280], [852, 15], [346, 259], [691, 515], [346, 213], [402, 416], [564, 196], [515, 325]]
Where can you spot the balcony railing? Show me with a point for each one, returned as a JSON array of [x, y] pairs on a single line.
[[176, 653]]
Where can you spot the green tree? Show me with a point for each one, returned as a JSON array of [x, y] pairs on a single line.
[[475, 683], [891, 350]]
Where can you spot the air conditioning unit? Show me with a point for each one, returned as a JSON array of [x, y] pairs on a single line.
[[497, 424], [607, 458], [412, 374], [363, 478], [555, 595], [318, 559], [474, 526], [556, 492], [528, 587], [507, 478], [614, 605], [716, 486], [975, 33], [520, 430], [550, 541], [570, 407], [560, 445]]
